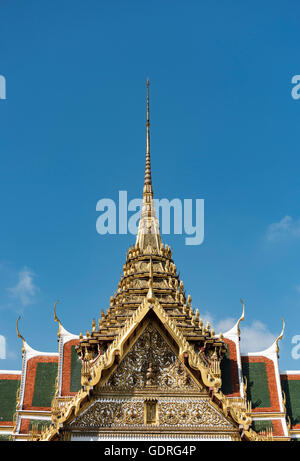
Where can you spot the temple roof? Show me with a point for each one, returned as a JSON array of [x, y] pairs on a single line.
[[148, 266], [9, 388], [54, 389], [290, 382]]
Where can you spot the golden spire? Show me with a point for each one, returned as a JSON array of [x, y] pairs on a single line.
[[148, 163], [148, 232]]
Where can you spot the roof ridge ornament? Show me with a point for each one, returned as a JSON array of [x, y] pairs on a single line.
[[242, 317], [56, 319], [280, 336], [20, 336], [18, 331]]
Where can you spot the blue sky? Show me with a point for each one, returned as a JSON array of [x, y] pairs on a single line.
[[224, 128]]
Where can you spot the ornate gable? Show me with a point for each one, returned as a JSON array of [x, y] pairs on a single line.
[[152, 392], [150, 364]]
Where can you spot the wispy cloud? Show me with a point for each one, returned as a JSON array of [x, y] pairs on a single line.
[[25, 290], [2, 347], [220, 326], [254, 337], [285, 229]]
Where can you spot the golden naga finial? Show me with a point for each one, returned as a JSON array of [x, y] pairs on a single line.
[[19, 334], [241, 318], [54, 311], [18, 331], [280, 336], [56, 318]]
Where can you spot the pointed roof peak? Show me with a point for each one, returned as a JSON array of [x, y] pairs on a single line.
[[148, 232], [148, 180]]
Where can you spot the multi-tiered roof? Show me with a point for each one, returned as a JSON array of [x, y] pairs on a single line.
[[149, 266]]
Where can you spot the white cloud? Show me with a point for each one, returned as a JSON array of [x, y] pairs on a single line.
[[25, 289], [284, 229], [220, 326], [2, 347], [254, 338]]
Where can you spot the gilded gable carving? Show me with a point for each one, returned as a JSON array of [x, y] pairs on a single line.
[[150, 362], [171, 413], [190, 413], [107, 413]]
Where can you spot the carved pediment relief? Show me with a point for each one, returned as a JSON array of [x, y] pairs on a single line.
[[150, 363], [171, 413], [193, 412]]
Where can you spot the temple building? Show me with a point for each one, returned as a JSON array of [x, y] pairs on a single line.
[[149, 368]]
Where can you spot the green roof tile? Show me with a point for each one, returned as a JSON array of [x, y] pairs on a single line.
[[44, 386], [40, 423], [8, 398], [75, 383], [227, 387], [291, 389], [257, 388], [262, 425]]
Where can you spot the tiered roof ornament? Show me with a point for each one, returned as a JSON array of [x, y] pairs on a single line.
[[150, 290], [148, 232], [149, 270]]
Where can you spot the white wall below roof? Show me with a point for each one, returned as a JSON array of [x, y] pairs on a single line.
[[10, 372], [290, 372]]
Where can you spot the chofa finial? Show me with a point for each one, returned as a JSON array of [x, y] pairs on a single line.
[[18, 331], [280, 336], [54, 311], [56, 318], [241, 318]]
